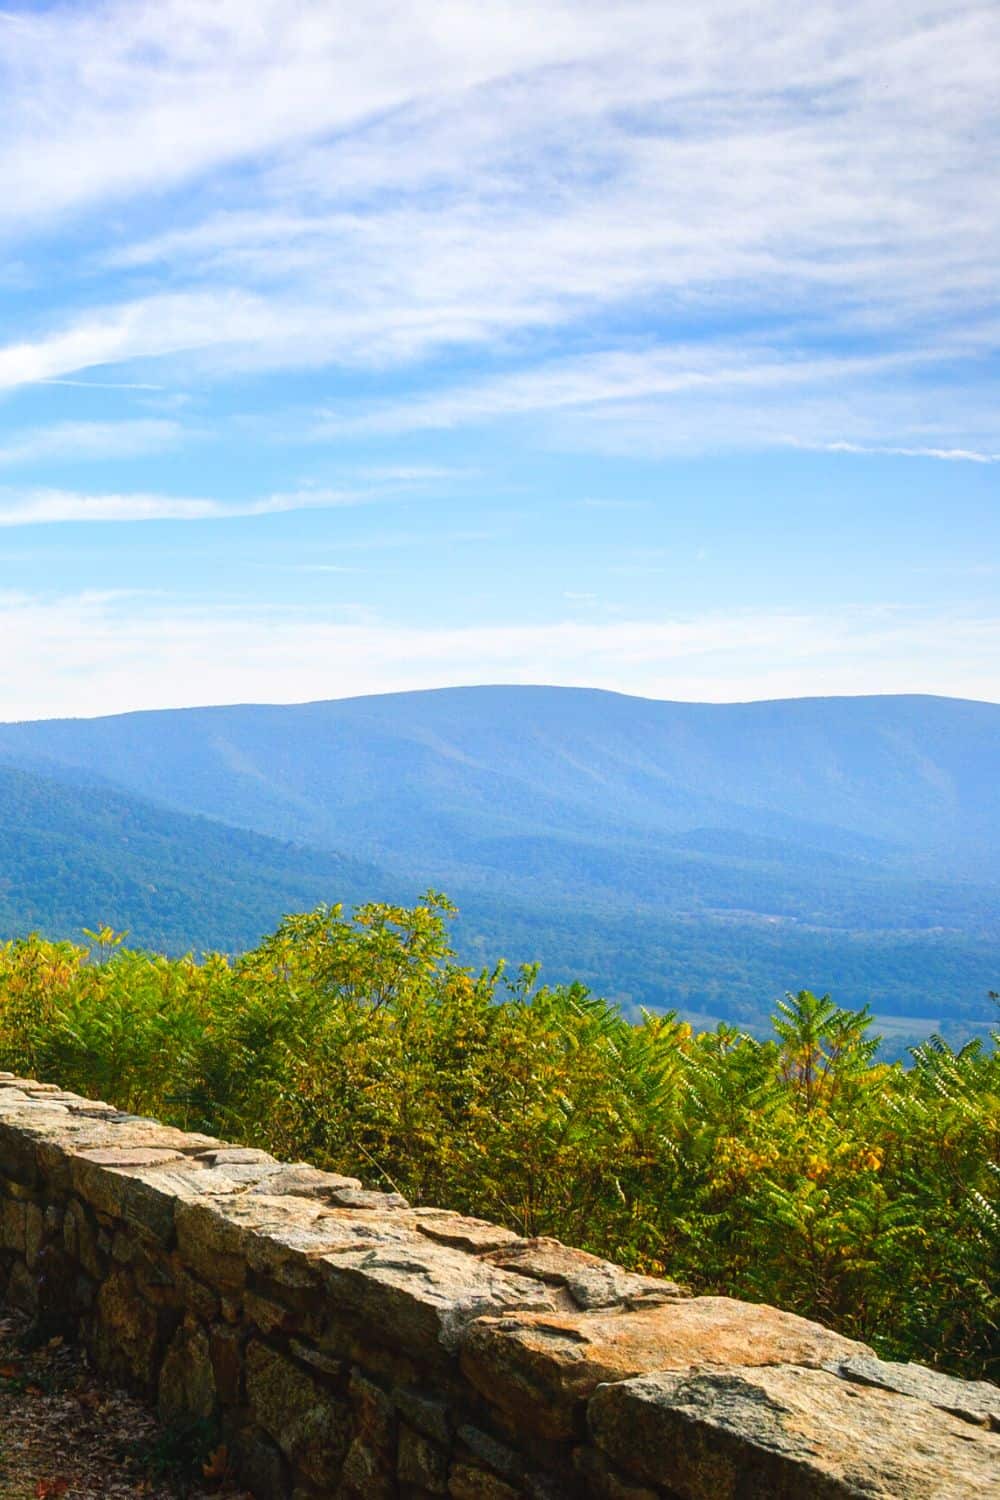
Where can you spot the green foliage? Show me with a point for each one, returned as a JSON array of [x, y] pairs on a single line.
[[796, 1169]]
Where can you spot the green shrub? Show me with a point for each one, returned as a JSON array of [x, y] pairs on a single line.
[[797, 1171]]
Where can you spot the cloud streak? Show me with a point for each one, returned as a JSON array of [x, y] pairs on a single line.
[[946, 455], [713, 396], [84, 441], [47, 507]]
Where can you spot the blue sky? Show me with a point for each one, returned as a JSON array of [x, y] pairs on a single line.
[[354, 348]]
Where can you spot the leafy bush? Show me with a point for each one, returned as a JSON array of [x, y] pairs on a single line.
[[797, 1170]]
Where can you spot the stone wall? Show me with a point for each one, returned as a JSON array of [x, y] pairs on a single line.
[[346, 1344]]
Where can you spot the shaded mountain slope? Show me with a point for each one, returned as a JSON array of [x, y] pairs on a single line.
[[74, 855]]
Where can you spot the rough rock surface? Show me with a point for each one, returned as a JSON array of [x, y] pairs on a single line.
[[590, 1282], [541, 1369], [975, 1400], [343, 1343], [769, 1432]]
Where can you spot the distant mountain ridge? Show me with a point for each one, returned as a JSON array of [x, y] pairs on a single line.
[[916, 771], [867, 820]]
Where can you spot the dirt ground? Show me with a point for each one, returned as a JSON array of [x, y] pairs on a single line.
[[65, 1435]]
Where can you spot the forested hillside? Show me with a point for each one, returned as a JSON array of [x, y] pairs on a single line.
[[74, 853], [735, 968], [706, 856], [794, 1170]]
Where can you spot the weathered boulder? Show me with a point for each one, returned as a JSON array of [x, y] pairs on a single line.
[[421, 1462], [591, 1282], [13, 1225], [142, 1187], [461, 1232], [240, 1156], [789, 1433], [539, 1369], [600, 1478], [421, 1295], [370, 1465], [974, 1400], [429, 1414], [466, 1482], [224, 1238], [299, 1179], [126, 1332], [372, 1198], [187, 1376], [312, 1428]]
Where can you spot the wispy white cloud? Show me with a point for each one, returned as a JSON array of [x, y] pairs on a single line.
[[128, 97], [81, 441], [149, 328], [616, 377], [928, 417], [41, 507], [947, 455], [415, 473], [101, 653], [714, 396], [105, 385], [411, 178]]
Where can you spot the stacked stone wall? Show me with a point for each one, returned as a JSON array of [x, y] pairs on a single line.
[[343, 1343]]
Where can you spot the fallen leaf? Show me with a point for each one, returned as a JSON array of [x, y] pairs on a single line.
[[48, 1489], [217, 1464]]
